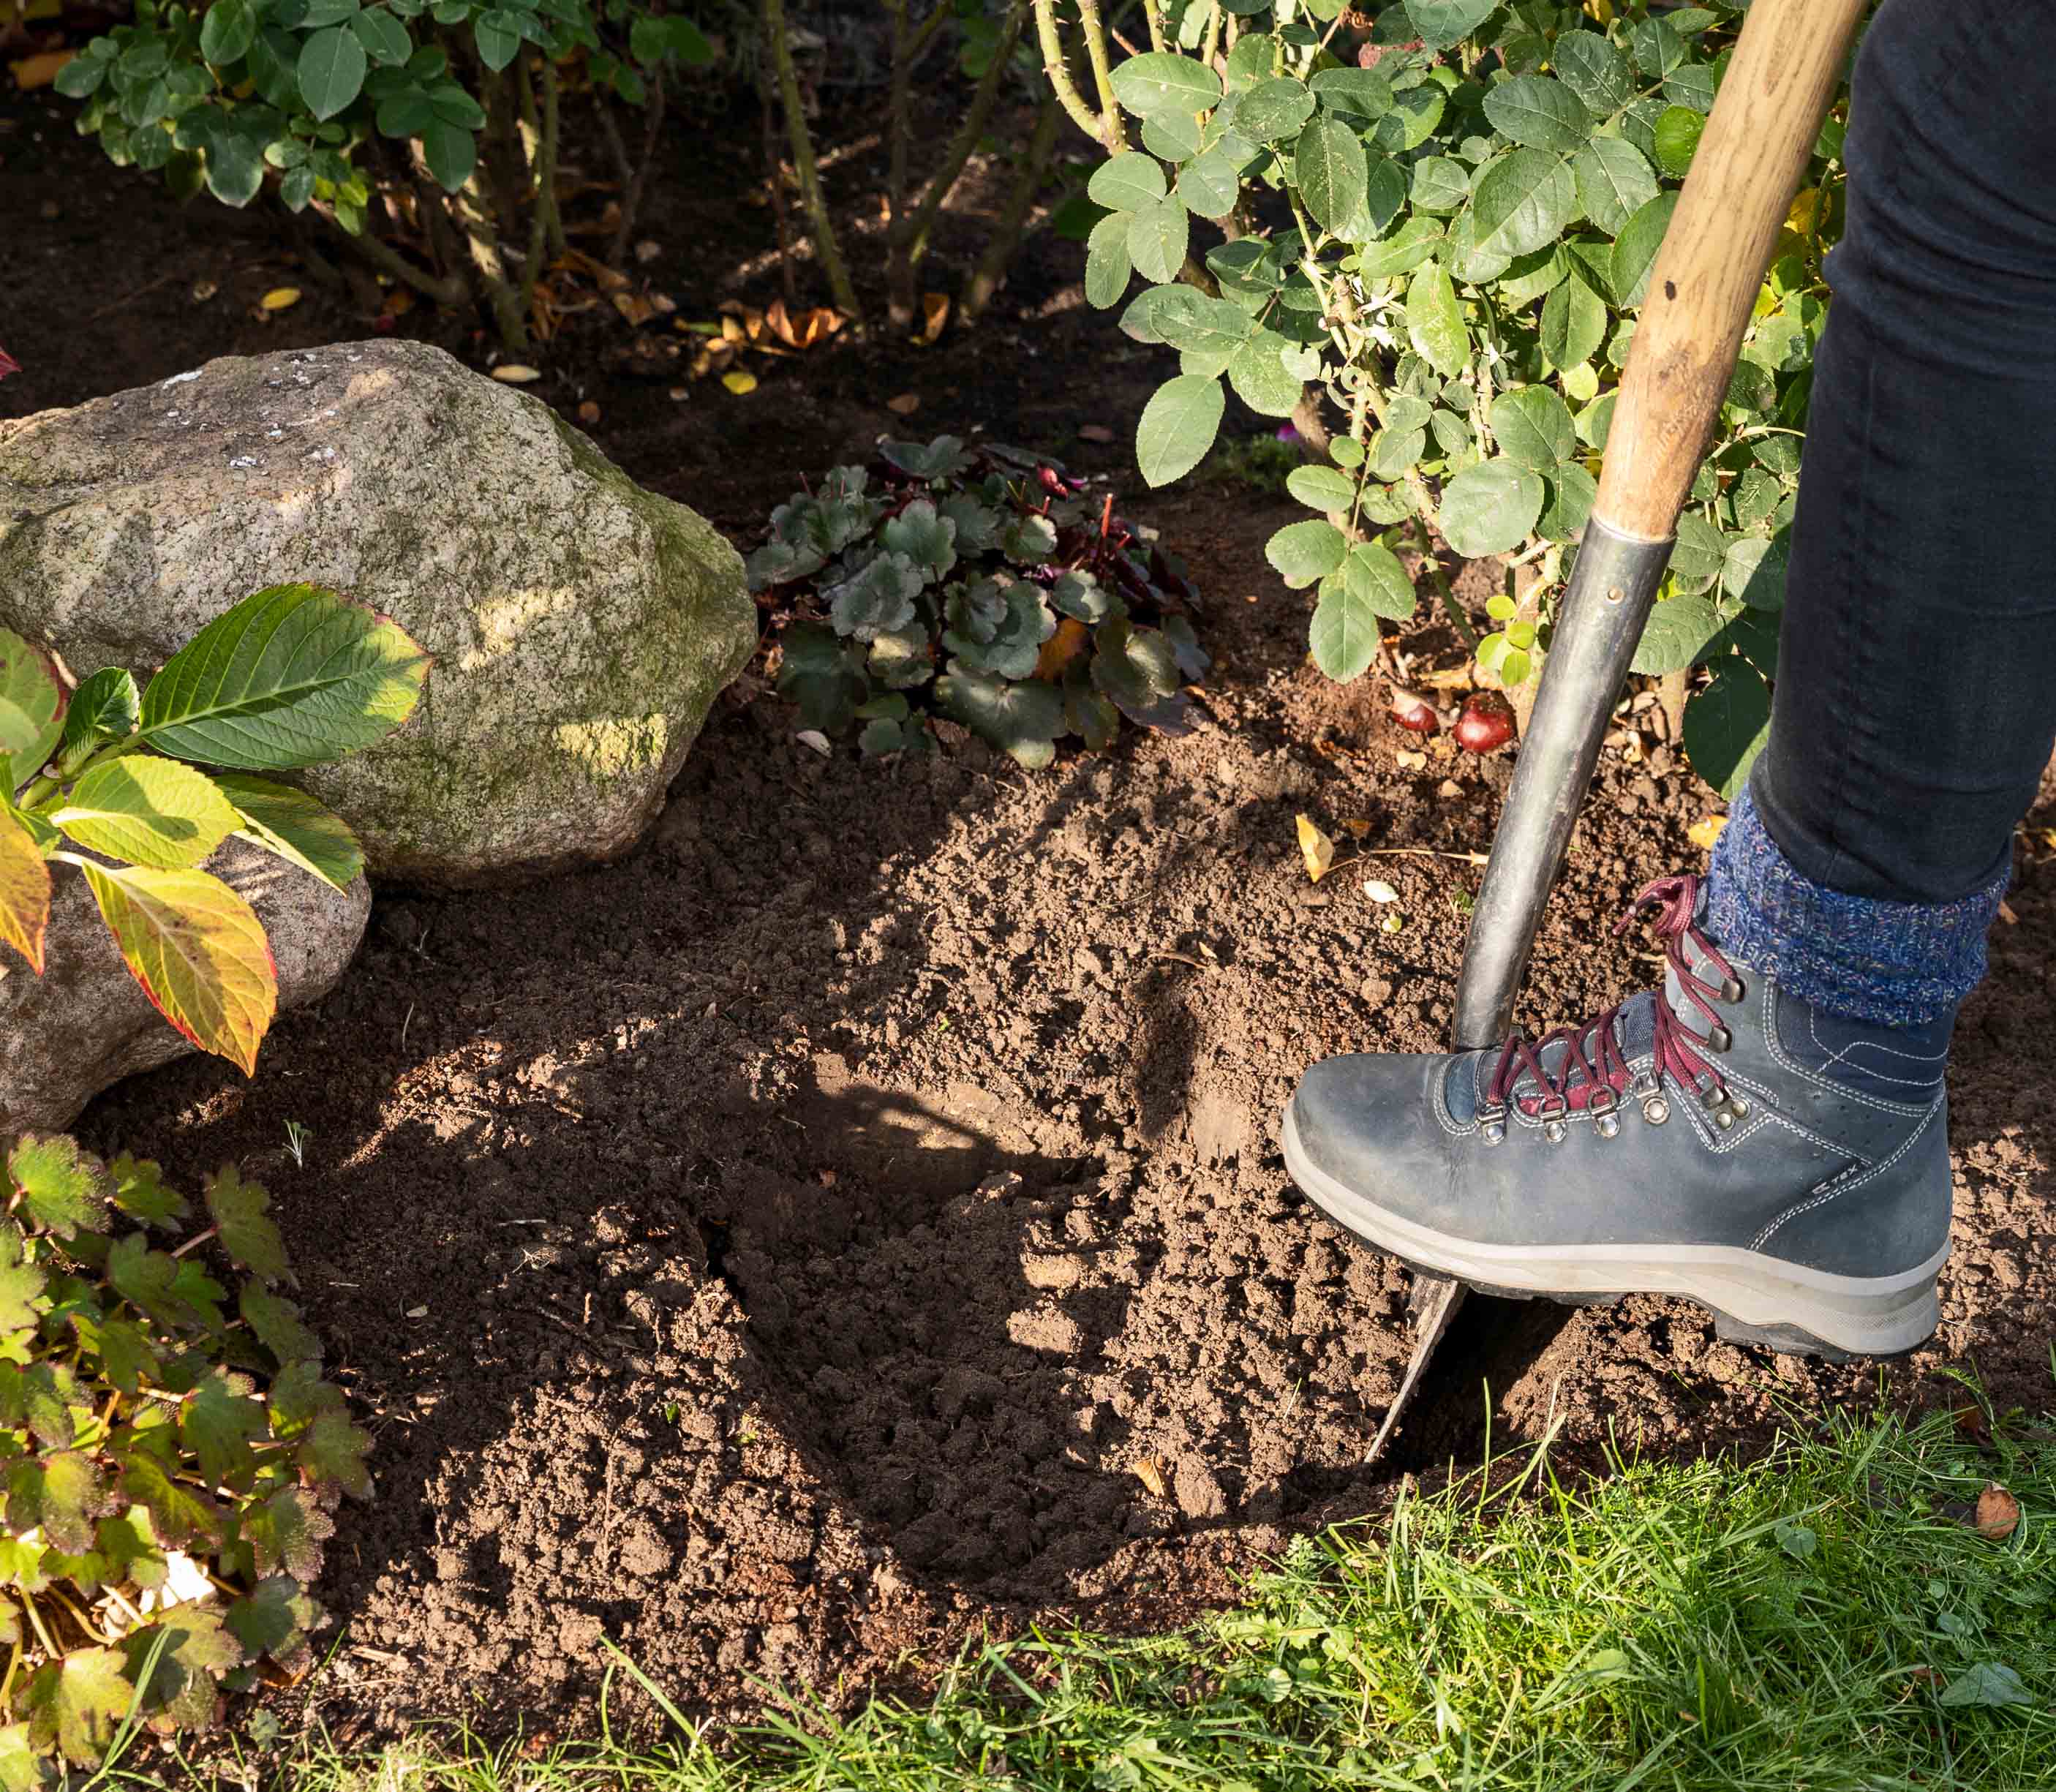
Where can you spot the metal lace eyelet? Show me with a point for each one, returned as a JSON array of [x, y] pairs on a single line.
[[1608, 1125], [1656, 1110], [1492, 1124], [1719, 1039], [1554, 1131], [1731, 990]]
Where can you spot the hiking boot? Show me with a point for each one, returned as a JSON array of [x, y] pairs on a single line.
[[1717, 1138]]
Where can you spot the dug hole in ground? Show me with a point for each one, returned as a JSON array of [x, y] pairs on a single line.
[[855, 1221]]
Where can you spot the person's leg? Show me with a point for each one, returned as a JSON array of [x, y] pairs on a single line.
[[1916, 693], [1768, 1133]]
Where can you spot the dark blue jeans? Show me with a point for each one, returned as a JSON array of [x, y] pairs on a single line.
[[1916, 703]]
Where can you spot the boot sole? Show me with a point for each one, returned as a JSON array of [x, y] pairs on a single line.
[[1754, 1298]]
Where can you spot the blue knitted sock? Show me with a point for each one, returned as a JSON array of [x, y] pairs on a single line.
[[1898, 964]]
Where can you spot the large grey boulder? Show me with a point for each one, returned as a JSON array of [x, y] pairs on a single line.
[[581, 626], [85, 1022]]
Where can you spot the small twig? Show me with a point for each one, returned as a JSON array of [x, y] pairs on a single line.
[[1433, 562], [1419, 852]]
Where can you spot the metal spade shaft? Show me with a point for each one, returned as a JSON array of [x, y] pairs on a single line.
[[1687, 338]]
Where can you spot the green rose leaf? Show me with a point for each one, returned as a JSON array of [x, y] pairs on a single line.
[[1697, 557], [1157, 234], [1302, 552], [1726, 726], [1177, 428], [1435, 321], [1538, 111], [227, 31], [1160, 81], [1260, 376], [1593, 70], [1534, 427], [451, 151], [1321, 487], [1108, 261], [1375, 578], [1332, 171], [1676, 636], [1572, 492], [1273, 111], [1127, 183], [1613, 180], [1753, 571], [1573, 324], [1635, 250], [1210, 183], [1490, 508], [1524, 201], [1441, 23]]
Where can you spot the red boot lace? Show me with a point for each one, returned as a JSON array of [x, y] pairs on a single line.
[[1592, 1058]]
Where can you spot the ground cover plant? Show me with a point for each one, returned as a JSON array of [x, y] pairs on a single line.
[[979, 584], [105, 779], [423, 134], [1438, 220], [172, 1456], [1868, 1605]]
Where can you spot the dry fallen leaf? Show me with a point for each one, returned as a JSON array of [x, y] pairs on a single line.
[[1411, 761], [279, 298], [203, 290], [814, 738], [399, 302], [1094, 432], [648, 250], [1379, 891], [1357, 828], [1392, 923], [2006, 913], [1147, 1472], [1926, 1676], [905, 405], [1704, 832], [934, 313], [588, 412], [739, 383], [1454, 678], [40, 71], [1998, 1513], [1315, 848], [1448, 788], [634, 307], [515, 373], [678, 394]]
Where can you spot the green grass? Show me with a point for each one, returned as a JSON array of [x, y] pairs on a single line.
[[1821, 1618]]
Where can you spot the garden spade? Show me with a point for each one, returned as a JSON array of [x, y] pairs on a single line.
[[1699, 297]]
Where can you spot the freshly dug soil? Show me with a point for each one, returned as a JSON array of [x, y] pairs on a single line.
[[855, 1221]]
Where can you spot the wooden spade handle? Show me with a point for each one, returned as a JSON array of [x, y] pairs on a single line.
[[1711, 267]]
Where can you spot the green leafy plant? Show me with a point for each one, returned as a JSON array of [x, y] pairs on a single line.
[[172, 1457], [977, 585], [431, 123], [1441, 235], [103, 778]]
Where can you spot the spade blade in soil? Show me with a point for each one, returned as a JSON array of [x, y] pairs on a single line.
[[1433, 1303]]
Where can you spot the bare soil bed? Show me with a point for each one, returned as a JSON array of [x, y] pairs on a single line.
[[799, 1247]]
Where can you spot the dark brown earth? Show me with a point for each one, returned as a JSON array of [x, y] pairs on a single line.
[[854, 1222]]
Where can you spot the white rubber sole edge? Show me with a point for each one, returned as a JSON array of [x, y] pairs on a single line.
[[1867, 1316]]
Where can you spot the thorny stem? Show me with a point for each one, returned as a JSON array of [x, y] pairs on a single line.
[[1006, 234], [1055, 66], [631, 197], [825, 245], [14, 1666], [440, 289], [1111, 133], [544, 170], [1150, 13]]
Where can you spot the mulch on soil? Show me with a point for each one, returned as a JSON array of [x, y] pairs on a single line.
[[814, 1240]]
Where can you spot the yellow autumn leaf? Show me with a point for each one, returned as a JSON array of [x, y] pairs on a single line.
[[1316, 849], [1804, 213], [33, 71], [197, 950], [1600, 11], [1704, 832], [513, 373], [739, 383], [280, 299], [25, 893], [935, 315]]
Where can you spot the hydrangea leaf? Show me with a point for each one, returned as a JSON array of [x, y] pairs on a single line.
[[148, 811], [297, 827]]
